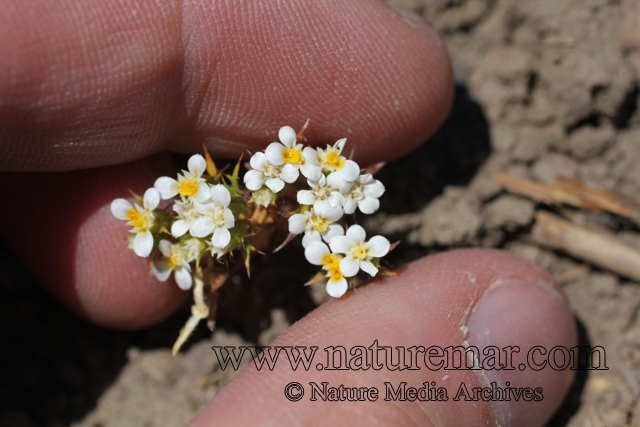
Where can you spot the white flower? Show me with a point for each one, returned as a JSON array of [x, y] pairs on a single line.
[[189, 184], [140, 218], [218, 252], [288, 151], [175, 261], [324, 191], [318, 253], [265, 173], [331, 160], [187, 214], [193, 249], [364, 193], [217, 218], [263, 197], [317, 225], [358, 253]]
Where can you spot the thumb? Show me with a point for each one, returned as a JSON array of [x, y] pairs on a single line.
[[475, 297]]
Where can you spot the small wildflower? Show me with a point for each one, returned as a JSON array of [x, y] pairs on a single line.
[[175, 260], [331, 159], [187, 215], [217, 218], [364, 194], [193, 249], [190, 183], [317, 225], [140, 218], [318, 253], [288, 151], [263, 197], [358, 253], [324, 191], [265, 173]]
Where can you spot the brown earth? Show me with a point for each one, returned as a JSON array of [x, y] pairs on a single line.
[[545, 88]]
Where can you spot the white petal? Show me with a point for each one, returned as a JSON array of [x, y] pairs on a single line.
[[204, 208], [356, 235], [143, 243], [338, 288], [179, 228], [297, 223], [378, 246], [311, 172], [349, 266], [167, 187], [310, 237], [197, 165], [287, 136], [204, 192], [349, 171], [151, 199], [368, 267], [221, 237], [165, 247], [306, 197], [120, 208], [228, 218], [310, 156], [368, 205], [340, 144], [289, 173], [274, 153], [333, 213], [161, 270], [321, 206], [340, 245], [336, 199], [315, 251], [335, 181], [274, 184], [333, 231], [183, 279], [374, 189], [365, 178], [259, 161], [349, 206], [202, 227], [220, 195], [254, 180]]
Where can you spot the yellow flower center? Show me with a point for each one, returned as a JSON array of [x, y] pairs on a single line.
[[334, 160], [174, 260], [137, 220], [319, 223], [188, 188], [292, 156], [361, 252], [330, 261], [336, 275]]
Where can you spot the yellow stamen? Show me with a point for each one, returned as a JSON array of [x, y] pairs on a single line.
[[336, 275], [136, 219], [330, 261], [292, 156], [174, 261], [188, 188], [361, 253], [334, 160], [319, 223]]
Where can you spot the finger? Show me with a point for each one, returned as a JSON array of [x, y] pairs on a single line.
[[483, 297], [68, 238], [91, 83]]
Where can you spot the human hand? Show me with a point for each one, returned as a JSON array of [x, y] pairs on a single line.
[[93, 90]]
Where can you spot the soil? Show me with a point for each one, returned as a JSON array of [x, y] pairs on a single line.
[[544, 88]]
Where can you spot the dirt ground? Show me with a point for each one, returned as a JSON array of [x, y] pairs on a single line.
[[544, 88]]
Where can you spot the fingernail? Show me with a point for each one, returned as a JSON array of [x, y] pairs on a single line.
[[409, 16], [523, 314]]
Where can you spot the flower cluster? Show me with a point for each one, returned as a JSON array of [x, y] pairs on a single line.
[[186, 224]]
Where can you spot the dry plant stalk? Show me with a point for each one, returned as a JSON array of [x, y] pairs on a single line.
[[596, 246], [571, 192]]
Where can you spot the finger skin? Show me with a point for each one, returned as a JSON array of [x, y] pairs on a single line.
[[96, 83], [77, 249], [426, 305]]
